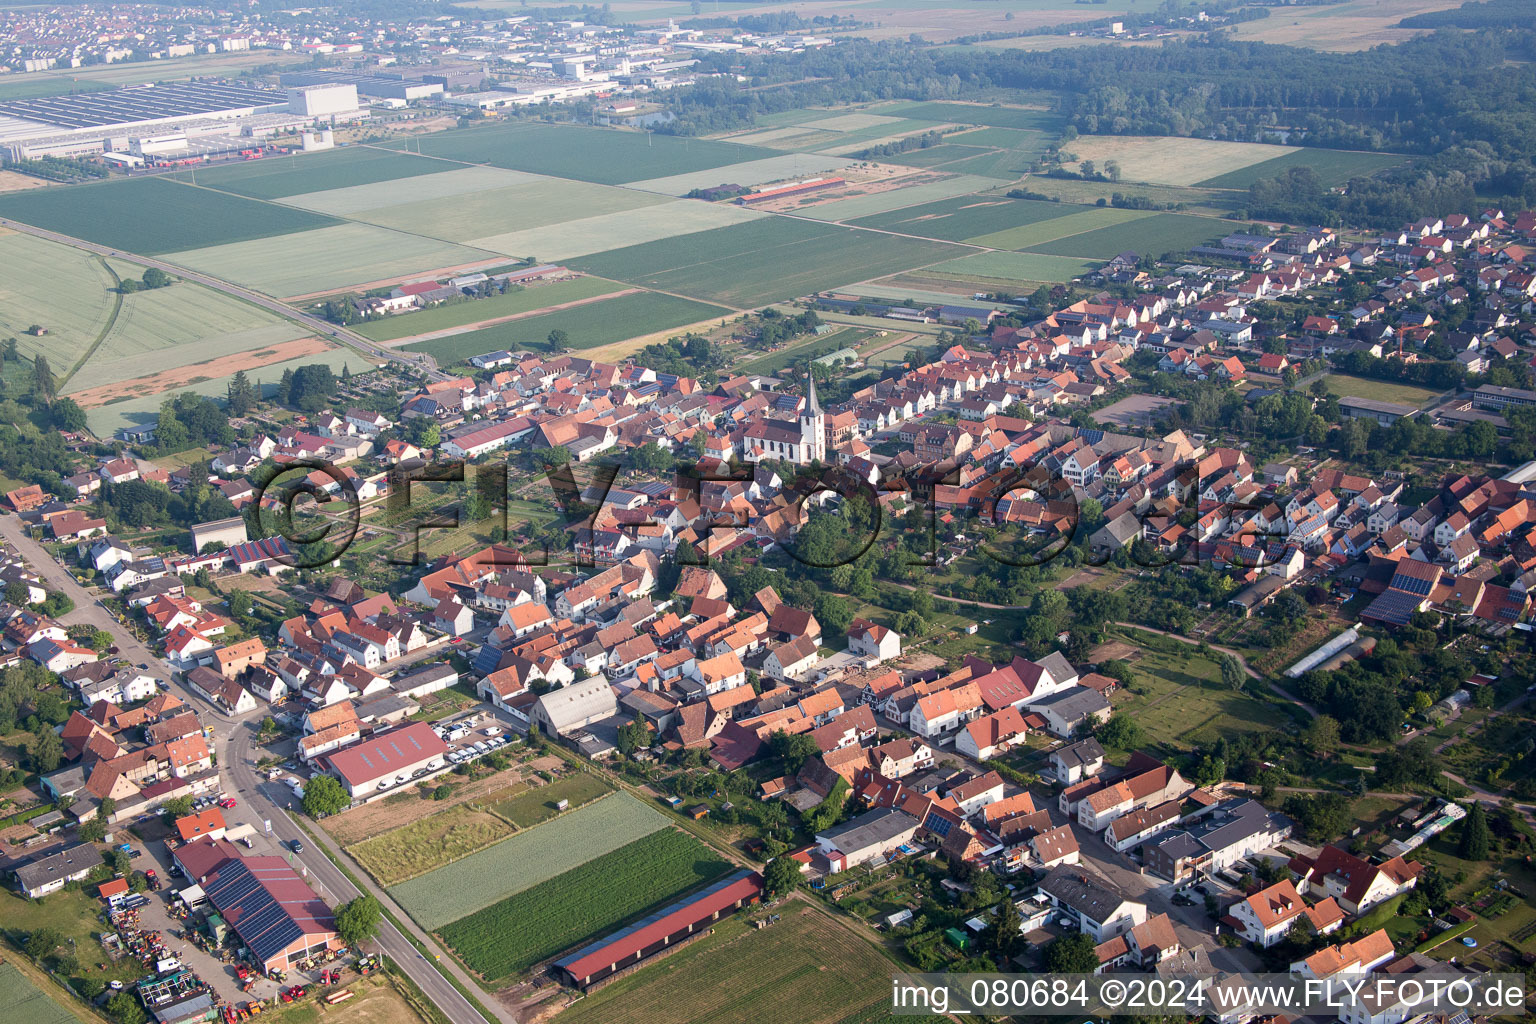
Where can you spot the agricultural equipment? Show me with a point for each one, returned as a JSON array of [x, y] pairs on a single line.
[[337, 997]]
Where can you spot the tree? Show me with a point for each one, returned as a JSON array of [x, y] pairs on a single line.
[[12, 350], [782, 875], [177, 807], [66, 414], [18, 593], [1474, 834], [358, 920], [324, 795], [1071, 954], [240, 397], [43, 383], [558, 339], [154, 277], [794, 750], [1007, 931], [47, 752], [43, 942], [633, 736], [1121, 732], [94, 830], [1321, 736], [1232, 674], [123, 1008]]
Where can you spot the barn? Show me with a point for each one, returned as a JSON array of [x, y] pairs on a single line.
[[668, 926]]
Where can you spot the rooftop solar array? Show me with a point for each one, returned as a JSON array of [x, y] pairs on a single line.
[[141, 103]]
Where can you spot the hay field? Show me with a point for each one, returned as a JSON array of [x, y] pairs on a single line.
[[154, 215], [752, 172], [65, 289], [1346, 27], [608, 155], [327, 259], [1031, 236], [457, 181], [474, 311], [590, 235], [1172, 161], [541, 202], [274, 177]]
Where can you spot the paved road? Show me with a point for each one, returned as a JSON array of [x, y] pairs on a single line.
[[241, 779], [324, 328]]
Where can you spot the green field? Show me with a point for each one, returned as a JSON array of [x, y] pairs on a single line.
[[469, 311], [608, 155], [767, 260], [806, 961], [1333, 167], [383, 195], [1016, 267], [1160, 233], [275, 177], [924, 191], [526, 859], [20, 1000], [589, 326], [582, 903], [811, 348], [328, 259], [531, 807], [1072, 220], [154, 215], [966, 113], [429, 843], [752, 172], [932, 156], [1377, 390], [61, 288], [967, 218], [607, 231]]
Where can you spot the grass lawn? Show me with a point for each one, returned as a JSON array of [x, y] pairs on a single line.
[[532, 807], [513, 302], [74, 915], [805, 961], [430, 843], [1377, 390], [808, 348]]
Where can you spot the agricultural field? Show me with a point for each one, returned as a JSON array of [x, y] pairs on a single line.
[[611, 156], [154, 216], [1171, 161], [1332, 166], [752, 172], [967, 218], [1349, 26], [425, 845], [1014, 268], [971, 113], [771, 259], [276, 177], [384, 195], [66, 290], [513, 302], [526, 859], [805, 960], [589, 325], [1157, 234], [927, 189], [1004, 153], [529, 807], [582, 903], [21, 1000], [328, 259], [1346, 386], [588, 235]]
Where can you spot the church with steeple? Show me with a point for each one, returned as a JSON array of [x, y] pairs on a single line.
[[801, 444], [813, 425]]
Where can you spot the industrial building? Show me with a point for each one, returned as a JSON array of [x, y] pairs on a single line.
[[390, 759], [375, 86], [327, 100]]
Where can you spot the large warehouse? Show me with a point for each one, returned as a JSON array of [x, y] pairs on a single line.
[[389, 760], [668, 926]]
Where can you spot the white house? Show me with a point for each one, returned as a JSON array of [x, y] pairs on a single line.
[[873, 641]]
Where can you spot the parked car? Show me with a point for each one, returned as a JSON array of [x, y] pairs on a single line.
[[297, 846], [227, 803]]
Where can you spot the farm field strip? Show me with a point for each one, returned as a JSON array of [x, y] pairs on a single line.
[[20, 1000], [526, 859], [61, 288], [581, 904], [968, 217], [275, 177], [186, 314], [790, 138], [1014, 266], [1157, 234], [589, 325], [328, 259], [539, 203], [1030, 236], [379, 195], [588, 235], [471, 311], [967, 113], [1333, 167], [1172, 161], [752, 172], [925, 191]]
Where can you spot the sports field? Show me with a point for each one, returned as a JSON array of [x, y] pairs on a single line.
[[153, 215], [526, 859], [537, 202], [752, 172], [61, 288], [609, 155], [1332, 166], [327, 259], [1157, 234], [1346, 386], [806, 960], [1171, 161], [274, 177], [770, 259], [20, 1000], [967, 217], [472, 311], [630, 227], [583, 903], [588, 326]]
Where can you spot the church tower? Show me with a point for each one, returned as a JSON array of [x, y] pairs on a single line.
[[813, 424]]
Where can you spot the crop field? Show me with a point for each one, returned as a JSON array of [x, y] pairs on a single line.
[[424, 845], [967, 218], [1072, 220], [275, 177], [589, 326], [968, 113], [1351, 25], [21, 1000], [790, 137], [1019, 267], [631, 227], [926, 189], [530, 807], [1172, 161], [752, 172], [581, 904], [611, 156], [526, 859], [1377, 390], [1160, 233], [805, 960], [472, 311], [379, 195], [535, 203], [327, 259], [57, 286], [774, 258], [1004, 153], [1333, 167], [154, 215]]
